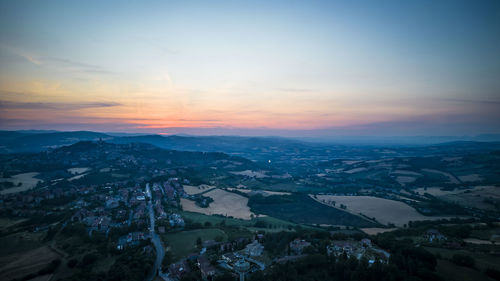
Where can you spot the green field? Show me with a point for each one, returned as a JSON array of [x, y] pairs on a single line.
[[451, 272], [302, 209], [483, 260], [277, 224], [184, 243]]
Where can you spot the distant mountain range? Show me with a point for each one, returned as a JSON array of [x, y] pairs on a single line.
[[255, 148]]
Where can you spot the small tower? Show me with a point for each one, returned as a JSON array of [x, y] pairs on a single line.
[[241, 267]]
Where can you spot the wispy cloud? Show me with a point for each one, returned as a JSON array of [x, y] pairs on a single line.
[[74, 65], [57, 62], [472, 101], [295, 90], [54, 105]]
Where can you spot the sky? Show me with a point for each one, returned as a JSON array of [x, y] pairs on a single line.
[[290, 68]]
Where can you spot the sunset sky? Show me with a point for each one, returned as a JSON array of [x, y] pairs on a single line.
[[251, 67]]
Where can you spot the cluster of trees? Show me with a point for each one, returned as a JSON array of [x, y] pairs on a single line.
[[407, 266], [132, 264]]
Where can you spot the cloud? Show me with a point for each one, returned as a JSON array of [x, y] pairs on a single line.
[[75, 65], [296, 90], [54, 105], [471, 101], [58, 63]]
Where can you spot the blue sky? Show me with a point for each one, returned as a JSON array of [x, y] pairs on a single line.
[[354, 67]]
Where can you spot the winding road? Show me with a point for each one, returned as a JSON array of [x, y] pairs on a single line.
[[160, 252]]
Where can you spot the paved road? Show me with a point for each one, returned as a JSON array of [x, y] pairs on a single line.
[[160, 252]]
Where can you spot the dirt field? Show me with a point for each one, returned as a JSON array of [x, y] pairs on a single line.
[[405, 179], [192, 190], [470, 178], [27, 180], [383, 210], [376, 230], [355, 170], [28, 262], [78, 171], [225, 203], [407, 173], [263, 192], [253, 174], [436, 191], [77, 177], [477, 241]]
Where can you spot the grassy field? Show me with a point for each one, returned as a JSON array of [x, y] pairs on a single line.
[[225, 203], [18, 243], [452, 272], [278, 225], [191, 189], [376, 230], [473, 197], [27, 181], [305, 210], [383, 210], [20, 264], [6, 222], [183, 243]]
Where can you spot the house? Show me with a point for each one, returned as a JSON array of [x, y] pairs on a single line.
[[80, 215], [178, 269], [205, 267], [366, 242], [254, 249], [297, 246], [230, 257], [433, 235], [176, 220], [112, 203]]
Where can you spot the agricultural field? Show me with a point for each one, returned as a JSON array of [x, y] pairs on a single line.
[[267, 223], [300, 208], [450, 271], [78, 171], [252, 174], [255, 192], [383, 210], [26, 180], [376, 230], [483, 260], [192, 190], [21, 264], [480, 197], [183, 243], [225, 203], [451, 178]]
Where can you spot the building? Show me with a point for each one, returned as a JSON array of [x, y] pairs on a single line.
[[254, 249], [241, 267], [297, 246], [433, 235], [205, 267]]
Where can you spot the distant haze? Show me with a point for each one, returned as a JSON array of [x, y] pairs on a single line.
[[310, 69]]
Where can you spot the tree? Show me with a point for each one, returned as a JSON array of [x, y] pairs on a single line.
[[463, 260]]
